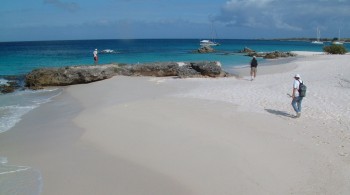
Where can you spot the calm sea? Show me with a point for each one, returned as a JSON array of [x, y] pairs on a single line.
[[19, 58], [22, 57]]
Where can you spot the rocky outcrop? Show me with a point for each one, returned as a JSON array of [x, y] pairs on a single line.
[[247, 50], [205, 49], [154, 69], [277, 54], [272, 55], [7, 88], [68, 76], [11, 84], [85, 74]]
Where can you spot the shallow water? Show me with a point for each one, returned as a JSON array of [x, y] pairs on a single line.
[[14, 105], [19, 180]]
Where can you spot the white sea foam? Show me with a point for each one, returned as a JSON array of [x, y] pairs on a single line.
[[10, 115], [13, 106], [3, 81], [181, 63]]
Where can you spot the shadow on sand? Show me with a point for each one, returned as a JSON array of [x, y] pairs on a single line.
[[279, 113]]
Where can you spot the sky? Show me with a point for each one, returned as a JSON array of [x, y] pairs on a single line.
[[30, 20]]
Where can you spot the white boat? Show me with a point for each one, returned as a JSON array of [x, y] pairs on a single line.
[[338, 42], [204, 43], [318, 32], [211, 42], [317, 42]]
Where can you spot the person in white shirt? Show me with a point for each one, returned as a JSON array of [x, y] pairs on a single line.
[[296, 98], [95, 55]]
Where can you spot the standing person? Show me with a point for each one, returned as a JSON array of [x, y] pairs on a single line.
[[253, 67], [296, 97], [95, 56]]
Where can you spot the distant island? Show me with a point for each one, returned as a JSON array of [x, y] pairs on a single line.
[[308, 39]]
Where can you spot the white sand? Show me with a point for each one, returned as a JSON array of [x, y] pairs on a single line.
[[308, 53], [142, 135]]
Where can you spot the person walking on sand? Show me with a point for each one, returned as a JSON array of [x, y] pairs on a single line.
[[253, 67], [296, 97], [95, 56]]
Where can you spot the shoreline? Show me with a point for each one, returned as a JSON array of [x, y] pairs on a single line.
[[146, 135]]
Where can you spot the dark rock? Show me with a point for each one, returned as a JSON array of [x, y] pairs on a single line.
[[211, 69], [247, 50], [68, 75], [7, 88], [186, 71], [205, 49], [155, 69], [278, 54], [272, 55], [10, 86]]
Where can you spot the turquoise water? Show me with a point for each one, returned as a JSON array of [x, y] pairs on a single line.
[[19, 58], [22, 57]]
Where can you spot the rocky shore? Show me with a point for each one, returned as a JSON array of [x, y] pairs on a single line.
[[248, 52], [40, 78], [267, 55], [9, 84]]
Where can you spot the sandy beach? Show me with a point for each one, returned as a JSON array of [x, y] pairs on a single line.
[[146, 135]]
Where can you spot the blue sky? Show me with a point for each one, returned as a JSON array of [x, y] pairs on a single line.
[[26, 20]]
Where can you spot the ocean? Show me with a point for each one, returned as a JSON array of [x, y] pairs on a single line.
[[22, 57], [19, 58]]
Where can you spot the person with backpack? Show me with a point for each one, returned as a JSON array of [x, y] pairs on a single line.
[[298, 93], [253, 67]]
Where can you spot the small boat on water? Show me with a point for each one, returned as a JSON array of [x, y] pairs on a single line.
[[204, 43], [318, 32], [317, 42], [211, 42], [338, 42]]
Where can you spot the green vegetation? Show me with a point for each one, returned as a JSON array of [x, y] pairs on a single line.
[[335, 49]]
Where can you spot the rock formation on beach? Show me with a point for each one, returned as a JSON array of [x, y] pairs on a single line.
[[267, 55], [8, 88], [278, 54], [11, 84], [68, 75], [271, 55], [40, 78]]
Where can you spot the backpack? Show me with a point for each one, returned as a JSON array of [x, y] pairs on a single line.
[[302, 89]]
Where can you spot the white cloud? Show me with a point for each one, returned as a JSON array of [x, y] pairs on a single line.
[[288, 15]]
